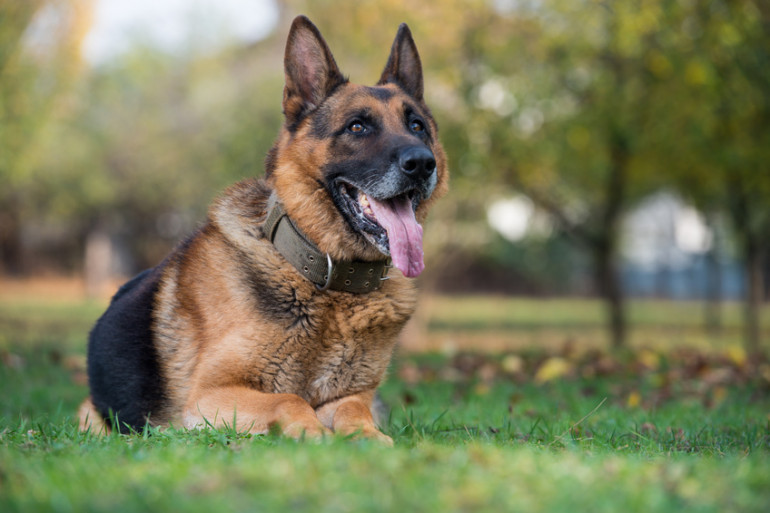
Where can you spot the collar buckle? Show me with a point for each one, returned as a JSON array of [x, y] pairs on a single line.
[[328, 276]]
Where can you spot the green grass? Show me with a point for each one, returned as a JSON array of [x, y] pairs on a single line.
[[675, 430], [499, 323]]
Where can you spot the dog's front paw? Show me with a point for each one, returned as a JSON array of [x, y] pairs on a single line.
[[305, 429], [367, 433], [378, 436]]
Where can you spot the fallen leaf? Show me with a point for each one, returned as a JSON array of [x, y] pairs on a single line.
[[450, 374], [606, 365], [513, 364], [12, 361], [551, 369], [649, 359], [487, 372], [75, 362], [717, 376], [737, 355], [634, 399]]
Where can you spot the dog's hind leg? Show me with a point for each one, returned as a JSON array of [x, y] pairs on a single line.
[[353, 415], [89, 419], [248, 410]]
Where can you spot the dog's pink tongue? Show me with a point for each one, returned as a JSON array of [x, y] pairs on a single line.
[[404, 233]]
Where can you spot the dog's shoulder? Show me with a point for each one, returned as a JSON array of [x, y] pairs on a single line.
[[245, 200], [239, 212]]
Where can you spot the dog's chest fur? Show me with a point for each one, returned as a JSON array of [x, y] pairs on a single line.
[[262, 325], [333, 346]]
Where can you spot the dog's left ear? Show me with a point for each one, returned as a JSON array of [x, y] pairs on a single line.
[[404, 67], [311, 72]]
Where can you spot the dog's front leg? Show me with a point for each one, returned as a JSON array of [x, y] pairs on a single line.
[[253, 411], [352, 415]]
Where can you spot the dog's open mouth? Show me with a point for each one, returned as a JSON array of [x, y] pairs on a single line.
[[389, 224]]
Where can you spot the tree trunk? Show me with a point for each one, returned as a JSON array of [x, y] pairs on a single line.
[[713, 306], [743, 212], [11, 254], [608, 284], [608, 279], [754, 293], [766, 274]]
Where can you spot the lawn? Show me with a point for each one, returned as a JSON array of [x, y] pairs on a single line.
[[553, 422]]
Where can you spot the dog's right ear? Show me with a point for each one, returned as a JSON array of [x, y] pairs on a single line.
[[403, 66], [311, 72]]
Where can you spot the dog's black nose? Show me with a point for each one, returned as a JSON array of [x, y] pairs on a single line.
[[417, 161]]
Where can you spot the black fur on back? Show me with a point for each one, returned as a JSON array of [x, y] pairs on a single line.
[[123, 369]]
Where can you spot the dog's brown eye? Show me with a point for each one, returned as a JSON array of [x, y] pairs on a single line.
[[417, 126], [356, 127]]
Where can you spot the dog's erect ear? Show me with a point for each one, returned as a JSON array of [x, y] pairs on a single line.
[[311, 73], [404, 67]]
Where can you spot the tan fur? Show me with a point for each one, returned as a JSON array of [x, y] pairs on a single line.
[[210, 356], [244, 339], [311, 207], [90, 420]]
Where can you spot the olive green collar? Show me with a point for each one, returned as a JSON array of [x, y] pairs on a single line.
[[357, 277]]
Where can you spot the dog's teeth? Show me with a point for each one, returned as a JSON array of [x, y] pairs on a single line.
[[343, 188], [369, 211], [363, 200]]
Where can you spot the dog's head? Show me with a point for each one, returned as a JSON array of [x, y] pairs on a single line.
[[355, 166]]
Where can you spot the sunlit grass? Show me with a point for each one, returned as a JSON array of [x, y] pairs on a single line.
[[647, 431]]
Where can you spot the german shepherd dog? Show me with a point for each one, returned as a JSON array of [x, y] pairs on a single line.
[[283, 309]]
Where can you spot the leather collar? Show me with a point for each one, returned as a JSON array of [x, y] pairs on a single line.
[[357, 277]]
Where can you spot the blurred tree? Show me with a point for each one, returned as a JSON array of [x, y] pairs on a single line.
[[738, 39], [723, 78], [136, 152], [584, 105], [566, 116], [39, 59], [587, 106], [150, 139]]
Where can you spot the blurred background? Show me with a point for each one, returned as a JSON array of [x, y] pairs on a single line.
[[606, 157]]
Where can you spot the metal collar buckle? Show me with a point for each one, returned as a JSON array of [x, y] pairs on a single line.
[[385, 270], [328, 276]]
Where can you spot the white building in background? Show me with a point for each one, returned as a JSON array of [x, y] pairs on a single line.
[[663, 245], [663, 232]]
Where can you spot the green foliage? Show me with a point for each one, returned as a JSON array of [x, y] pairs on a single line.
[[586, 106], [156, 138]]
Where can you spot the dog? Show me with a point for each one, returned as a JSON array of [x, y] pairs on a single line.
[[282, 311]]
